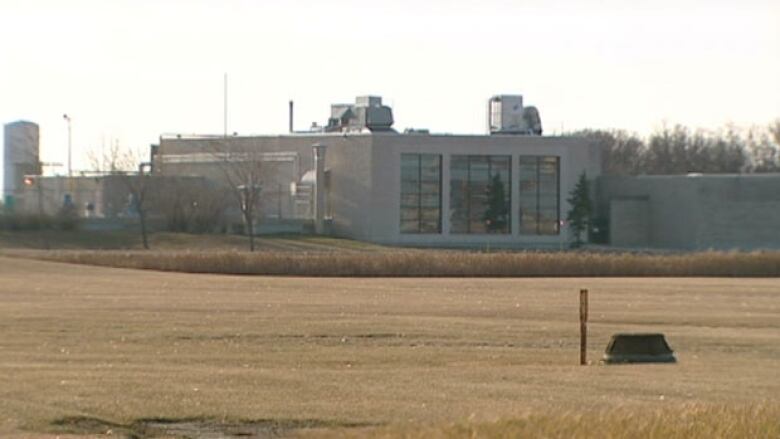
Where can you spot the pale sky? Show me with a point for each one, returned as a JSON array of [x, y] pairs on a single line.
[[132, 70]]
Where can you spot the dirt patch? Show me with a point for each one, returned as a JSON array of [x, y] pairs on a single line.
[[84, 425], [193, 428]]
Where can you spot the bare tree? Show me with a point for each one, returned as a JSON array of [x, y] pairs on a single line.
[[621, 152], [678, 150], [763, 145], [243, 173], [113, 159], [190, 204], [135, 176], [139, 190], [774, 128]]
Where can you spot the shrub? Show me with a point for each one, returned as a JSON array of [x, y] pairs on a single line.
[[25, 222]]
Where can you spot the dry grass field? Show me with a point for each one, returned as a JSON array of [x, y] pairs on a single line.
[[86, 350], [339, 262], [169, 241]]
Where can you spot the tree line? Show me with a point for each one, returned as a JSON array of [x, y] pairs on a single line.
[[681, 150]]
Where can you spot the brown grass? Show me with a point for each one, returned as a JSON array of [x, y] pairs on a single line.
[[85, 349], [691, 421], [168, 241], [422, 263]]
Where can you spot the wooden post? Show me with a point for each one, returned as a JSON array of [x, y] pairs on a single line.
[[583, 327]]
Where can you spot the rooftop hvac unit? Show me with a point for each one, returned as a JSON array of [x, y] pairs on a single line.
[[507, 115], [366, 113]]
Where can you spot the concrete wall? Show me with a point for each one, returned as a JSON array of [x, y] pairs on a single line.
[[739, 212], [630, 220], [284, 160], [701, 212], [363, 184], [108, 194], [287, 158], [350, 192]]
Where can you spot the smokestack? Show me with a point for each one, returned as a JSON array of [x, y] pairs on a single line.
[[291, 116]]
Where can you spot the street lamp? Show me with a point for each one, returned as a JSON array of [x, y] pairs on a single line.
[[70, 169]]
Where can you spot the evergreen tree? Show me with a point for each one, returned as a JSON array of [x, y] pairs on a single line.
[[581, 209], [497, 212]]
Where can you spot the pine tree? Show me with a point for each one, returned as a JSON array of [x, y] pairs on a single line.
[[497, 212], [581, 209]]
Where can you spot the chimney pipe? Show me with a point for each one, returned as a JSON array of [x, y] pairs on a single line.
[[291, 117], [319, 188]]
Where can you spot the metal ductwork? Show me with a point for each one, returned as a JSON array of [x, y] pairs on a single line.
[[367, 113]]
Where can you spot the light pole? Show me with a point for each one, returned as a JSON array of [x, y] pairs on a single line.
[[70, 169]]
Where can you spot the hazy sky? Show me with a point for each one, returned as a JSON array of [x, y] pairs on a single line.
[[132, 70]]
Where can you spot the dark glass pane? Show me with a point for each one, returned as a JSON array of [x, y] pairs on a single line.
[[429, 214], [430, 161], [409, 187], [539, 195], [430, 226], [420, 193], [430, 187], [410, 200], [474, 208], [548, 202], [430, 200], [410, 167], [409, 226], [548, 222], [409, 214], [498, 217], [410, 160], [476, 226], [459, 190], [528, 223]]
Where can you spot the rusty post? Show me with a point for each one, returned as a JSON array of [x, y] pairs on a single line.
[[583, 327]]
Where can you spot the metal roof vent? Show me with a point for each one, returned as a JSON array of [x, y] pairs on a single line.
[[367, 112]]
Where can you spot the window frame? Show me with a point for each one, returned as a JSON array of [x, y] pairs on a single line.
[[421, 208], [472, 215], [540, 208]]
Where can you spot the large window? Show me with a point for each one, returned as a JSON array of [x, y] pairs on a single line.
[[539, 195], [420, 193], [480, 193]]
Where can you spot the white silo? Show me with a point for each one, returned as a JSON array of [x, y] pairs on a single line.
[[20, 155]]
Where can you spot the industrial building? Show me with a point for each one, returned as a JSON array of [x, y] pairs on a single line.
[[691, 212], [355, 176], [507, 188]]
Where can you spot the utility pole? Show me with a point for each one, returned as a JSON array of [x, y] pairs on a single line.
[[226, 105], [70, 168], [70, 154]]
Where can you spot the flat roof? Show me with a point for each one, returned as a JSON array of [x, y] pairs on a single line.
[[169, 136], [694, 175]]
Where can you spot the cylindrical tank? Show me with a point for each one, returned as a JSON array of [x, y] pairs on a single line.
[[20, 154]]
